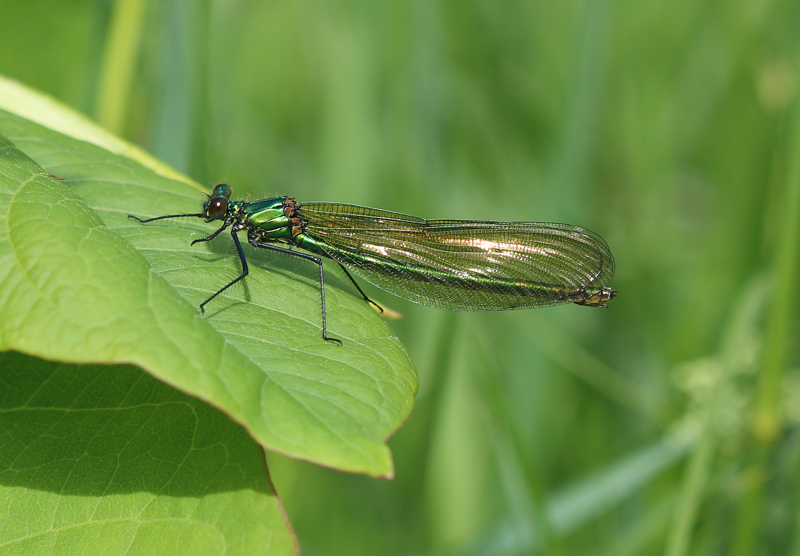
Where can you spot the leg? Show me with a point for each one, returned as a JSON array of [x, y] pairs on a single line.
[[367, 299], [314, 259], [245, 270], [215, 234]]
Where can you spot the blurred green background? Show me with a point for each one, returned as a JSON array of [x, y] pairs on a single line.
[[666, 424]]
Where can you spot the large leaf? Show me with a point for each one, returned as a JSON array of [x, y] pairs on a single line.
[[107, 460], [83, 283]]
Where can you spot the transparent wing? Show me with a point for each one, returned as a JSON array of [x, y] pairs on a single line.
[[466, 265]]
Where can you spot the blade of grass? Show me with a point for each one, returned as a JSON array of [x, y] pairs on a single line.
[[585, 103], [589, 497], [175, 122], [589, 369], [733, 356], [579, 502], [119, 60], [766, 421], [518, 474]]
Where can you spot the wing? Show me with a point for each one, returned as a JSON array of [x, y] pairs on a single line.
[[464, 265]]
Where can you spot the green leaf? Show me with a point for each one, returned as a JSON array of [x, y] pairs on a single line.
[[107, 460], [83, 283]]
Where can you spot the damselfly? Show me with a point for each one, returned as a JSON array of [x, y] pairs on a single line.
[[461, 265]]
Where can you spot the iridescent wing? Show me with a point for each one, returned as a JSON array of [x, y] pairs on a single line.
[[465, 265]]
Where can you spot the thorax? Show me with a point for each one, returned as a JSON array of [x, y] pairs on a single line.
[[272, 219]]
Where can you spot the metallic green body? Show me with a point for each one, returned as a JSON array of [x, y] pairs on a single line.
[[267, 216], [450, 264], [461, 265]]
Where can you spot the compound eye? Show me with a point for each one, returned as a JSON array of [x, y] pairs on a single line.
[[217, 208], [222, 190]]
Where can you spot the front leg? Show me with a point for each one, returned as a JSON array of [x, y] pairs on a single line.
[[245, 269], [214, 235]]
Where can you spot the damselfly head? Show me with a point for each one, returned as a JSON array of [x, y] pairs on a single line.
[[216, 208]]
